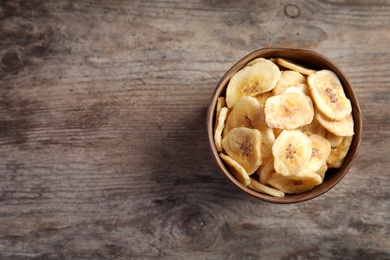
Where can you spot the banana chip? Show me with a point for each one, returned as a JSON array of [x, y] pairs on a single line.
[[328, 95], [292, 151], [246, 113], [293, 66], [295, 184], [243, 145], [287, 79], [333, 139], [238, 171], [343, 127], [220, 124], [288, 111], [320, 151], [255, 78], [337, 154], [266, 169], [257, 186], [313, 128], [322, 171]]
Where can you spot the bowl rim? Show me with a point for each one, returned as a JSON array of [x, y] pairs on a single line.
[[311, 57]]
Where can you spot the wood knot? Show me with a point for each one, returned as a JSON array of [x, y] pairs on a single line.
[[194, 228], [12, 59], [291, 10]]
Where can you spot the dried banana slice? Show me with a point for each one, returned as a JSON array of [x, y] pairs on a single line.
[[267, 140], [288, 111], [328, 94], [338, 154], [287, 79], [313, 128], [247, 112], [238, 171], [293, 66], [243, 145], [320, 151], [322, 171], [255, 78], [219, 126], [295, 184], [220, 104], [262, 98], [333, 139], [292, 151], [257, 186], [343, 127], [266, 169]]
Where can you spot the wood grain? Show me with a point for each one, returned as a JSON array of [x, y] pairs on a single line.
[[103, 137]]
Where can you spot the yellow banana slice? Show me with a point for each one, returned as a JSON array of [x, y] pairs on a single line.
[[338, 154], [288, 111], [246, 113], [220, 104], [293, 66], [243, 145], [262, 98], [219, 126], [295, 184], [328, 95], [267, 140], [257, 186], [292, 151], [313, 128], [287, 79], [236, 169], [333, 139], [255, 78], [322, 171], [265, 170], [320, 151], [343, 127], [304, 88]]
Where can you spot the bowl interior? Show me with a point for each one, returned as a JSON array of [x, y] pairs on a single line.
[[311, 60]]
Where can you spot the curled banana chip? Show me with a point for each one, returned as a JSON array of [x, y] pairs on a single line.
[[333, 139], [293, 66], [287, 79], [295, 184], [267, 140], [266, 169], [343, 127], [338, 154], [322, 171], [220, 104], [238, 171], [313, 128], [220, 124], [257, 186], [255, 78]]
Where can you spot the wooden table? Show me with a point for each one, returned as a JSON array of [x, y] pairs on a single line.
[[104, 152]]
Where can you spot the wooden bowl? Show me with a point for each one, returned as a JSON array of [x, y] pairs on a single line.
[[311, 60]]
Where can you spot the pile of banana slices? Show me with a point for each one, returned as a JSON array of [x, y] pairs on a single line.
[[280, 126]]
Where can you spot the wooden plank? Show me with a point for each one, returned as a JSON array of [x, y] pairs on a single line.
[[103, 136]]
